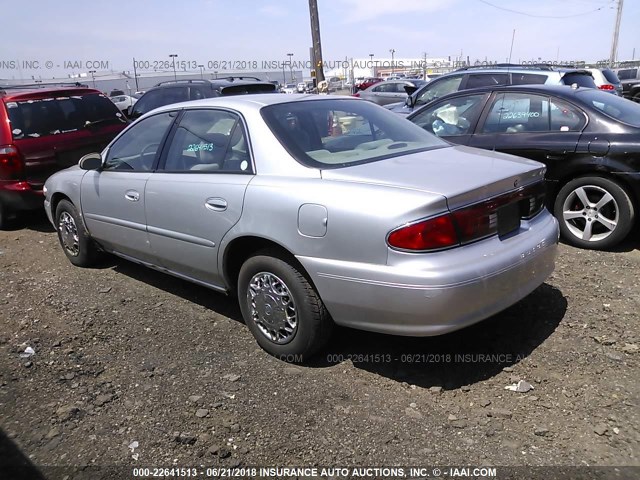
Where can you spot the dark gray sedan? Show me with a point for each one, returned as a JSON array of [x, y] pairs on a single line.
[[390, 91]]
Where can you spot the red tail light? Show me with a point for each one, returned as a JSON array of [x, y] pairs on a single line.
[[432, 234], [467, 224], [11, 164], [607, 87], [356, 94]]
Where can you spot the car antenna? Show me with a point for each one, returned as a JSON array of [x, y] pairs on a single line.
[[513, 37]]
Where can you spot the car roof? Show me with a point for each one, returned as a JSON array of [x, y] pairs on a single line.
[[253, 101]]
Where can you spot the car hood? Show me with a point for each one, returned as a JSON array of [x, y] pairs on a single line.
[[463, 175]]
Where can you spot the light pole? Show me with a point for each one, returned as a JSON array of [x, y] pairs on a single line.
[[290, 66], [392, 51], [373, 70], [173, 57], [93, 78], [201, 72]]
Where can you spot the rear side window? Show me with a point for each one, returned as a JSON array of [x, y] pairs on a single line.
[[610, 76], [528, 79], [487, 80], [581, 79], [628, 74], [55, 115]]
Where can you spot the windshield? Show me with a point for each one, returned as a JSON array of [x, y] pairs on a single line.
[[55, 115], [341, 133], [627, 74], [613, 106]]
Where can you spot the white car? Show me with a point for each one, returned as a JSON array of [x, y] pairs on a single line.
[[290, 88], [123, 102], [302, 87]]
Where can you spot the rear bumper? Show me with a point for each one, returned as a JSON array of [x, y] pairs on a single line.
[[20, 196], [432, 294]]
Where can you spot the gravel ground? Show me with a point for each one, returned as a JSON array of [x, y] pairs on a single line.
[[133, 367]]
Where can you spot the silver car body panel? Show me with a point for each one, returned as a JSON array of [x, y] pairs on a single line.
[[335, 222]]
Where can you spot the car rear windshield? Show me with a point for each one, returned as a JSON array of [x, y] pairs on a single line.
[[628, 74], [55, 115], [610, 76], [582, 79], [248, 88], [342, 133], [613, 106]]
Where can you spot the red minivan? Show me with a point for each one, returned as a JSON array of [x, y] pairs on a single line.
[[43, 130]]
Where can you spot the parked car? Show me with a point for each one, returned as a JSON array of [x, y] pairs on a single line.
[[606, 79], [367, 82], [290, 88], [589, 140], [301, 87], [165, 93], [43, 130], [474, 77], [123, 102], [389, 91], [630, 80], [335, 83], [313, 210]]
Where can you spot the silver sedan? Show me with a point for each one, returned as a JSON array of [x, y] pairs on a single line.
[[390, 91], [313, 210]]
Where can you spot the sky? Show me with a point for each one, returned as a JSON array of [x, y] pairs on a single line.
[[60, 37]]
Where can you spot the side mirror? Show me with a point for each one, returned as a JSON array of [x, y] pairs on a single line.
[[91, 161], [410, 89]]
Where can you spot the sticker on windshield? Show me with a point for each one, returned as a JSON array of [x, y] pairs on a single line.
[[564, 129], [16, 131], [12, 104], [244, 165]]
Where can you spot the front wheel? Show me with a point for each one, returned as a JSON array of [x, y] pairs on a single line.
[[594, 212], [281, 308], [74, 239]]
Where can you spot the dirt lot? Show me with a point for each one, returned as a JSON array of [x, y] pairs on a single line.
[[124, 354]]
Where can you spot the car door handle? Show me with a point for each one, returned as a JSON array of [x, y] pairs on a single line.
[[132, 196], [216, 204]]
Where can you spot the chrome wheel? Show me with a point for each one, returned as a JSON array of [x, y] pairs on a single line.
[[272, 307], [590, 213], [69, 234]]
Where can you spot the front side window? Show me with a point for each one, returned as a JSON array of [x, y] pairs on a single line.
[[438, 89], [137, 147], [452, 117], [339, 133], [209, 141]]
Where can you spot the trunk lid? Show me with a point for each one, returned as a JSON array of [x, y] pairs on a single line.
[[463, 175]]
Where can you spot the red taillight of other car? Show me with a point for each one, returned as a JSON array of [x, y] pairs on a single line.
[[11, 164], [607, 87], [467, 224]]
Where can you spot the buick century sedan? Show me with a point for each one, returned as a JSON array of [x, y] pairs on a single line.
[[313, 210]]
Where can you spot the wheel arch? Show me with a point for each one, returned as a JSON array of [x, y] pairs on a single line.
[[597, 171], [55, 200], [241, 248]]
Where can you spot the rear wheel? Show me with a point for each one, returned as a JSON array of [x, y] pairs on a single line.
[[281, 308], [594, 212], [74, 239]]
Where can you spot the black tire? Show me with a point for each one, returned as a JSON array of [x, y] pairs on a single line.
[[313, 323], [4, 217], [86, 252], [602, 236]]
